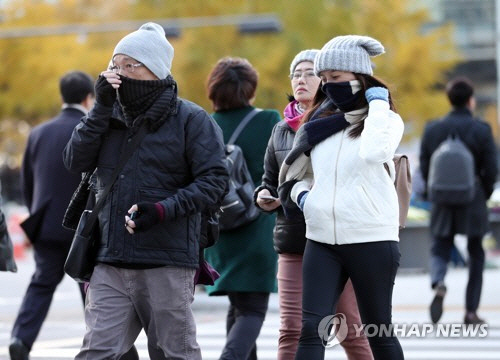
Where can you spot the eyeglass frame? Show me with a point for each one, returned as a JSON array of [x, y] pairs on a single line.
[[128, 68], [303, 74]]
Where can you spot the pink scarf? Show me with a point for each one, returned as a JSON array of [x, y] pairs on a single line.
[[292, 115]]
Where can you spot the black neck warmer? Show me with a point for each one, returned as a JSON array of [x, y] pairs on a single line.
[[152, 100], [342, 96]]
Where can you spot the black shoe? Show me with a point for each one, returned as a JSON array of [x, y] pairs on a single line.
[[437, 303], [471, 318], [18, 351]]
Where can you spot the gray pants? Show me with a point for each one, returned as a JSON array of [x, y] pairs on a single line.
[[121, 302]]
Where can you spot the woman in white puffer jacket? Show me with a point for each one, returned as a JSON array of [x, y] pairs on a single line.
[[335, 174]]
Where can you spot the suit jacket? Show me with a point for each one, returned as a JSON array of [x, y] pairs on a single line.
[[471, 219], [46, 183]]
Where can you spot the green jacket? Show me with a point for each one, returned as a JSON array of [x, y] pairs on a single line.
[[245, 257]]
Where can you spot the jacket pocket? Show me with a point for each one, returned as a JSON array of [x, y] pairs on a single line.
[[169, 234], [371, 205]]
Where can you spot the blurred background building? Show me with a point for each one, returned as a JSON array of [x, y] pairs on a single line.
[[474, 33]]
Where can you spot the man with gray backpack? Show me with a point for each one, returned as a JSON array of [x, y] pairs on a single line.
[[458, 163]]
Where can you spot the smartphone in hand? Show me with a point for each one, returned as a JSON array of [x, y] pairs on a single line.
[[267, 198]]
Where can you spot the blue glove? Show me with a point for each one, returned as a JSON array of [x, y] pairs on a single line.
[[302, 199], [377, 93]]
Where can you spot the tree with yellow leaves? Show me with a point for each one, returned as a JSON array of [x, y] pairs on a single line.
[[415, 62]]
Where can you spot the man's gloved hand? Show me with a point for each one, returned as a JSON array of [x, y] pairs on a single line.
[[148, 214], [377, 93], [105, 94], [302, 199]]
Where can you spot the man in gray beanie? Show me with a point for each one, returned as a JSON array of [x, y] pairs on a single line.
[[149, 46], [150, 223]]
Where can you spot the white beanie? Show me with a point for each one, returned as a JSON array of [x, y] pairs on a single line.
[[149, 46], [304, 55], [348, 53]]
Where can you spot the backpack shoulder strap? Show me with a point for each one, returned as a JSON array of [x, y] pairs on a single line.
[[242, 125]]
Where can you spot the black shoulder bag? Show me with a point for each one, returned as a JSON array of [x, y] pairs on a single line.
[[78, 203], [83, 251]]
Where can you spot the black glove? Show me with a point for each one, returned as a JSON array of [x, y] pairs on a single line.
[[148, 214], [105, 94]]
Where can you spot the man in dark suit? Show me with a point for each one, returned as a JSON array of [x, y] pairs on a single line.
[[47, 188], [470, 219]]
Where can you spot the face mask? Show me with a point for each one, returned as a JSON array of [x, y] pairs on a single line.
[[345, 95], [137, 95], [132, 91]]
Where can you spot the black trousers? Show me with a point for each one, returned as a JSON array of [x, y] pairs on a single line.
[[49, 271], [245, 317], [440, 257], [372, 268]]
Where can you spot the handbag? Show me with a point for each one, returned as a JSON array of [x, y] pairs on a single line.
[[78, 203], [80, 261], [402, 184], [82, 254]]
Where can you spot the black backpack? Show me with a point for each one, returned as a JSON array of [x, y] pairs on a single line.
[[237, 208], [451, 173]]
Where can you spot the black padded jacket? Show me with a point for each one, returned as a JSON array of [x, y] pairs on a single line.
[[289, 236], [180, 164]]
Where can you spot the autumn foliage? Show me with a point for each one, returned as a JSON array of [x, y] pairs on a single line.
[[415, 63]]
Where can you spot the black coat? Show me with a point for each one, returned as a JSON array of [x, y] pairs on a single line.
[[46, 183], [180, 164], [472, 219], [289, 235]]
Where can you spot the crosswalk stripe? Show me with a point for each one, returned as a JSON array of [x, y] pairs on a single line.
[[211, 338]]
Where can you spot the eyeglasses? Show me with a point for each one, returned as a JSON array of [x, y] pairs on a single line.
[[128, 68], [306, 75]]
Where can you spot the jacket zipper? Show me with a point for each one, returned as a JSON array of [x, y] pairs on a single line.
[[224, 207], [335, 187]]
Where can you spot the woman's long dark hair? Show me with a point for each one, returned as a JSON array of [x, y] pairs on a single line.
[[366, 81]]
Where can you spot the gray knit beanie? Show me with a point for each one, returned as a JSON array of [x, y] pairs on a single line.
[[149, 46], [304, 55], [348, 53]]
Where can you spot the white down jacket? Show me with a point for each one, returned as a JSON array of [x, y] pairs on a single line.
[[352, 199]]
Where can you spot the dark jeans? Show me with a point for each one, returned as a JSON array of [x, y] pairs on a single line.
[[440, 256], [245, 317], [372, 268], [49, 260]]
